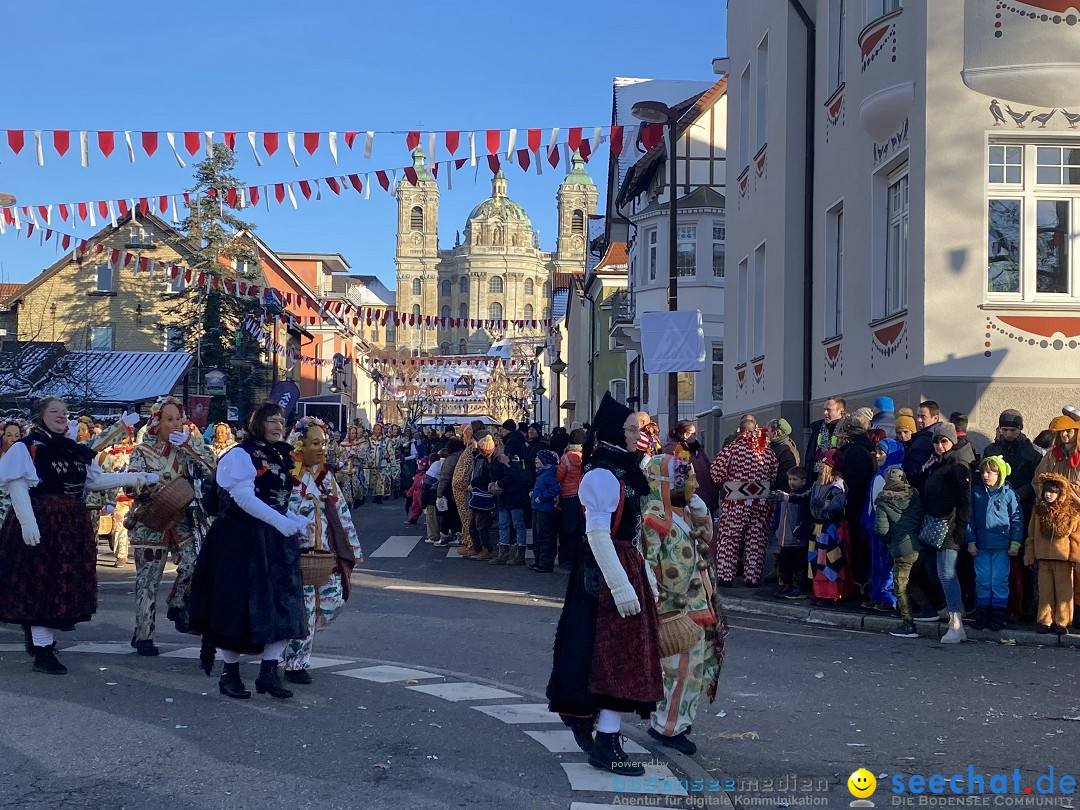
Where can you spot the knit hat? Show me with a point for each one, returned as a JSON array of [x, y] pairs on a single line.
[[536, 426], [894, 476], [577, 436], [1064, 423], [548, 458], [832, 458], [999, 464], [1072, 412], [480, 435], [781, 426], [1011, 419], [905, 422], [945, 429], [853, 423], [510, 425], [884, 404]]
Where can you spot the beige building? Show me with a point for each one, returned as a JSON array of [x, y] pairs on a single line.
[[495, 270]]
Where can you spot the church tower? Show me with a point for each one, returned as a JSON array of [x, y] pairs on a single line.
[[417, 254], [576, 199]]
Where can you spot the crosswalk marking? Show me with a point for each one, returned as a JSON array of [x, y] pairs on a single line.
[[456, 692], [561, 741], [521, 713], [103, 647], [387, 674], [396, 546], [657, 780], [11, 647]]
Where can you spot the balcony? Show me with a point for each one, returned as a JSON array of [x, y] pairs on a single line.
[[886, 49], [623, 306], [625, 333]]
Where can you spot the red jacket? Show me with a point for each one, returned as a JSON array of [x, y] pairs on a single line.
[[568, 473], [415, 492]]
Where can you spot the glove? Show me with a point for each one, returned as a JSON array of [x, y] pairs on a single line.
[[73, 429], [652, 582], [137, 480], [441, 505], [244, 496], [603, 549], [130, 419], [178, 438], [19, 492], [300, 524]]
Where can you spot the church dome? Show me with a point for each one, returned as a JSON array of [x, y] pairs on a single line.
[[499, 205]]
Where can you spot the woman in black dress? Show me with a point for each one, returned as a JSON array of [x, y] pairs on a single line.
[[246, 593]]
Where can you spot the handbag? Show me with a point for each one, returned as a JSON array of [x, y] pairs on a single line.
[[167, 504], [481, 501], [934, 531], [678, 633]]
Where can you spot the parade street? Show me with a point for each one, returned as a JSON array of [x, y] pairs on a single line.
[[429, 692]]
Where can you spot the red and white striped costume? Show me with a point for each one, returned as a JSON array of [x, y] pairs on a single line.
[[742, 472]]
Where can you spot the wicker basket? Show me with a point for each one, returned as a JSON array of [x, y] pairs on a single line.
[[104, 525], [167, 504], [317, 566], [678, 633]]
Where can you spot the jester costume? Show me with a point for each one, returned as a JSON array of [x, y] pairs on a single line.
[[677, 534], [743, 472]]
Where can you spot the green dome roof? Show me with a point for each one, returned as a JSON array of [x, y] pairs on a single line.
[[499, 205]]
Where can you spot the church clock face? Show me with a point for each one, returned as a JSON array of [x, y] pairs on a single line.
[[416, 239]]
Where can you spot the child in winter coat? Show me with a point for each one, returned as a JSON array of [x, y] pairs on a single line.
[[829, 550], [1054, 546], [543, 495], [428, 497], [995, 533], [897, 517], [414, 494], [792, 526]]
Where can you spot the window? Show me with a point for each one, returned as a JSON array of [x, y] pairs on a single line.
[[577, 222], [374, 335], [617, 389], [743, 312], [445, 312], [390, 330], [495, 285], [444, 347], [717, 374], [719, 238], [416, 218], [547, 289], [463, 312], [686, 385], [446, 288], [896, 245], [759, 301], [547, 313], [876, 9], [686, 255], [529, 286], [836, 42], [762, 103], [101, 338], [652, 255], [1006, 164], [139, 236], [416, 287], [105, 279], [174, 339], [528, 313], [495, 311], [416, 313], [1056, 165], [1053, 223], [176, 285], [744, 117], [463, 346], [463, 285], [834, 273]]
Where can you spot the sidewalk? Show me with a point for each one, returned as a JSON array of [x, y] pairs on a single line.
[[761, 601]]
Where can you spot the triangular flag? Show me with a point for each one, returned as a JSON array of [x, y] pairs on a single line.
[[191, 142], [311, 142]]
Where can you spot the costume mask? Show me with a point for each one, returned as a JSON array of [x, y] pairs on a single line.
[[314, 450]]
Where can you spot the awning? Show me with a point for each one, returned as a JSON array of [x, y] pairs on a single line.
[[114, 378]]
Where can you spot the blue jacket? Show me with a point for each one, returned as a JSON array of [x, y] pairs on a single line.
[[545, 490], [996, 520]]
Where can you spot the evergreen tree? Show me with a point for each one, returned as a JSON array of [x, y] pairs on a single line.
[[215, 337]]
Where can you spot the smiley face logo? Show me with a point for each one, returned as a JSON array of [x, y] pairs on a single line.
[[862, 783]]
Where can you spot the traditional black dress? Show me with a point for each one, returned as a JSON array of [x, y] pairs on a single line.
[[52, 584], [246, 591]]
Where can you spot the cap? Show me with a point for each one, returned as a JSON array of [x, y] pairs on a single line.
[[536, 426], [781, 425], [1011, 419], [548, 458], [577, 436], [832, 458], [885, 404], [510, 425], [905, 422]]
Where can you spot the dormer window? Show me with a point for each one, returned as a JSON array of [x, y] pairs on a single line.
[[139, 237]]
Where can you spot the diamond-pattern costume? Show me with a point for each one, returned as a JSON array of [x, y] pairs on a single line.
[[743, 472]]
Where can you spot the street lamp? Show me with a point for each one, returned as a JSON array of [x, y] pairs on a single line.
[[539, 392], [557, 368], [656, 112]]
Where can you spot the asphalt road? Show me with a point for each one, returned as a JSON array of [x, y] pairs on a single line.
[[795, 703]]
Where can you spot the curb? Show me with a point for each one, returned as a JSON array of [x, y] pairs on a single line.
[[879, 623]]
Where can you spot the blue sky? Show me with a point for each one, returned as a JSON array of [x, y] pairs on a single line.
[[317, 67]]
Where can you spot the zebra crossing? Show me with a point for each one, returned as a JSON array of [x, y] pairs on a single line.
[[400, 546]]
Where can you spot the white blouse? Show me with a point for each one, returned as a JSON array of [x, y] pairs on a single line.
[[235, 469], [599, 494], [16, 465]]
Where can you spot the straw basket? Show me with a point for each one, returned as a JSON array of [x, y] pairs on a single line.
[[167, 504], [316, 567], [678, 633]]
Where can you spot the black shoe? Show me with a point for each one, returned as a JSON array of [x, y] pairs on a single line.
[[679, 742], [905, 630], [996, 621], [179, 617], [378, 499], [269, 681], [28, 640], [230, 683], [607, 755], [583, 731], [45, 661], [1043, 629], [724, 583], [206, 657], [540, 569], [1059, 630], [982, 619], [146, 647], [301, 676]]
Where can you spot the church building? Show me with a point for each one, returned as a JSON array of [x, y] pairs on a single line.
[[497, 271]]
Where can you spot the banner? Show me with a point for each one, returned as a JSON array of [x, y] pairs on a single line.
[[198, 408]]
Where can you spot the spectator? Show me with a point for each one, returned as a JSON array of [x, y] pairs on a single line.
[[921, 450], [535, 444], [787, 454], [513, 483], [1054, 548], [683, 443], [544, 492], [829, 550], [905, 426], [792, 527], [897, 516], [823, 433], [568, 474], [749, 421], [1023, 458], [888, 453], [994, 534], [559, 440], [513, 441], [1063, 457], [857, 471], [965, 452], [885, 416], [946, 496], [428, 496], [446, 499], [480, 481], [1044, 441]]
